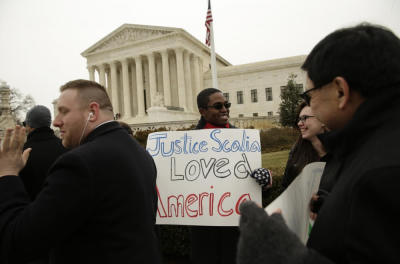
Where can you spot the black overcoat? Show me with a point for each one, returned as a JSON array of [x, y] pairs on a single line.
[[46, 148], [359, 221], [98, 206]]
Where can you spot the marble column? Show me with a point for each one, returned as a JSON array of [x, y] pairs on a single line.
[[114, 86], [181, 78], [152, 79], [197, 74], [166, 80], [102, 74], [139, 86], [188, 81], [201, 74], [91, 73], [133, 89], [126, 90], [108, 78]]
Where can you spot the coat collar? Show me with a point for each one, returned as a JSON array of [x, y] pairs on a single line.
[[41, 133], [102, 129]]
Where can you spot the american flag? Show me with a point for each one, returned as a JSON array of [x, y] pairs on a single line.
[[209, 19]]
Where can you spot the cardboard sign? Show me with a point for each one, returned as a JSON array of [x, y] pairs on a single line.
[[294, 201], [204, 175]]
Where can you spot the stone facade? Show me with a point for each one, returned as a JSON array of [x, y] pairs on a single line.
[[153, 75], [254, 89], [6, 119]]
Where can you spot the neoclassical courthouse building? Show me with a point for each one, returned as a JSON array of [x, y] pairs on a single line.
[[153, 75]]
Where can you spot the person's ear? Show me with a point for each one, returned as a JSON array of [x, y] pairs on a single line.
[[94, 109], [342, 92], [202, 111]]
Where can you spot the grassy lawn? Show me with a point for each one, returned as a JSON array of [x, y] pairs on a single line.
[[275, 161]]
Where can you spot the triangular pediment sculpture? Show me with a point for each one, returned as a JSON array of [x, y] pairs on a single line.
[[128, 34]]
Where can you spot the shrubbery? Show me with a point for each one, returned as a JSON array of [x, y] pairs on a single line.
[[276, 139], [141, 135]]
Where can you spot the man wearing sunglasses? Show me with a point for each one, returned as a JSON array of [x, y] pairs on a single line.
[[213, 244], [353, 88], [214, 109]]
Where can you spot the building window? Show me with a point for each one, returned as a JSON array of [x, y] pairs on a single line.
[[240, 115], [300, 87], [270, 113], [255, 114], [283, 88], [226, 95], [240, 97], [268, 94], [254, 96]]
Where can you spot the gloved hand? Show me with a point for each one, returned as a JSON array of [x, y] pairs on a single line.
[[267, 239], [318, 201], [262, 176]]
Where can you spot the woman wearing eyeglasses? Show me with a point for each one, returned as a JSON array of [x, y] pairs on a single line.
[[308, 148]]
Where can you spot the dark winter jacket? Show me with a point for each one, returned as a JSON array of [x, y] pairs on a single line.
[[301, 154], [46, 148], [359, 221], [98, 205]]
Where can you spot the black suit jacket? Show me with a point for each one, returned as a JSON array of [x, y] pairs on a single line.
[[98, 206]]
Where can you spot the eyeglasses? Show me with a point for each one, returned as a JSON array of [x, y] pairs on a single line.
[[303, 118], [306, 97], [219, 106]]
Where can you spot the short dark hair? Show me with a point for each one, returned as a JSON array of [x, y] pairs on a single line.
[[367, 56], [204, 97], [90, 91]]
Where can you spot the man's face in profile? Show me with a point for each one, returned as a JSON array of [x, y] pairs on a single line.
[[323, 103], [70, 119]]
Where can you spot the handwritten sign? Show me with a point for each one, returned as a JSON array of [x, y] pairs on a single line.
[[204, 175], [294, 201]]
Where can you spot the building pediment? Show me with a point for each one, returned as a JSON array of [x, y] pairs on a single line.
[[128, 34]]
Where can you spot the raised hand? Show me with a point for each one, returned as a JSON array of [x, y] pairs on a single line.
[[12, 160]]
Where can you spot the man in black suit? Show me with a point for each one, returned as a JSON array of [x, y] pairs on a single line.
[[46, 148], [99, 202]]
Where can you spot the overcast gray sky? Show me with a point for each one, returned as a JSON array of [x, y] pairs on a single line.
[[41, 40]]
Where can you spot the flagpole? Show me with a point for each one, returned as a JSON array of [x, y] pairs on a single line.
[[210, 42], [213, 60]]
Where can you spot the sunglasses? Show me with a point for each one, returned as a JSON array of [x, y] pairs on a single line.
[[303, 118], [219, 106], [306, 97]]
